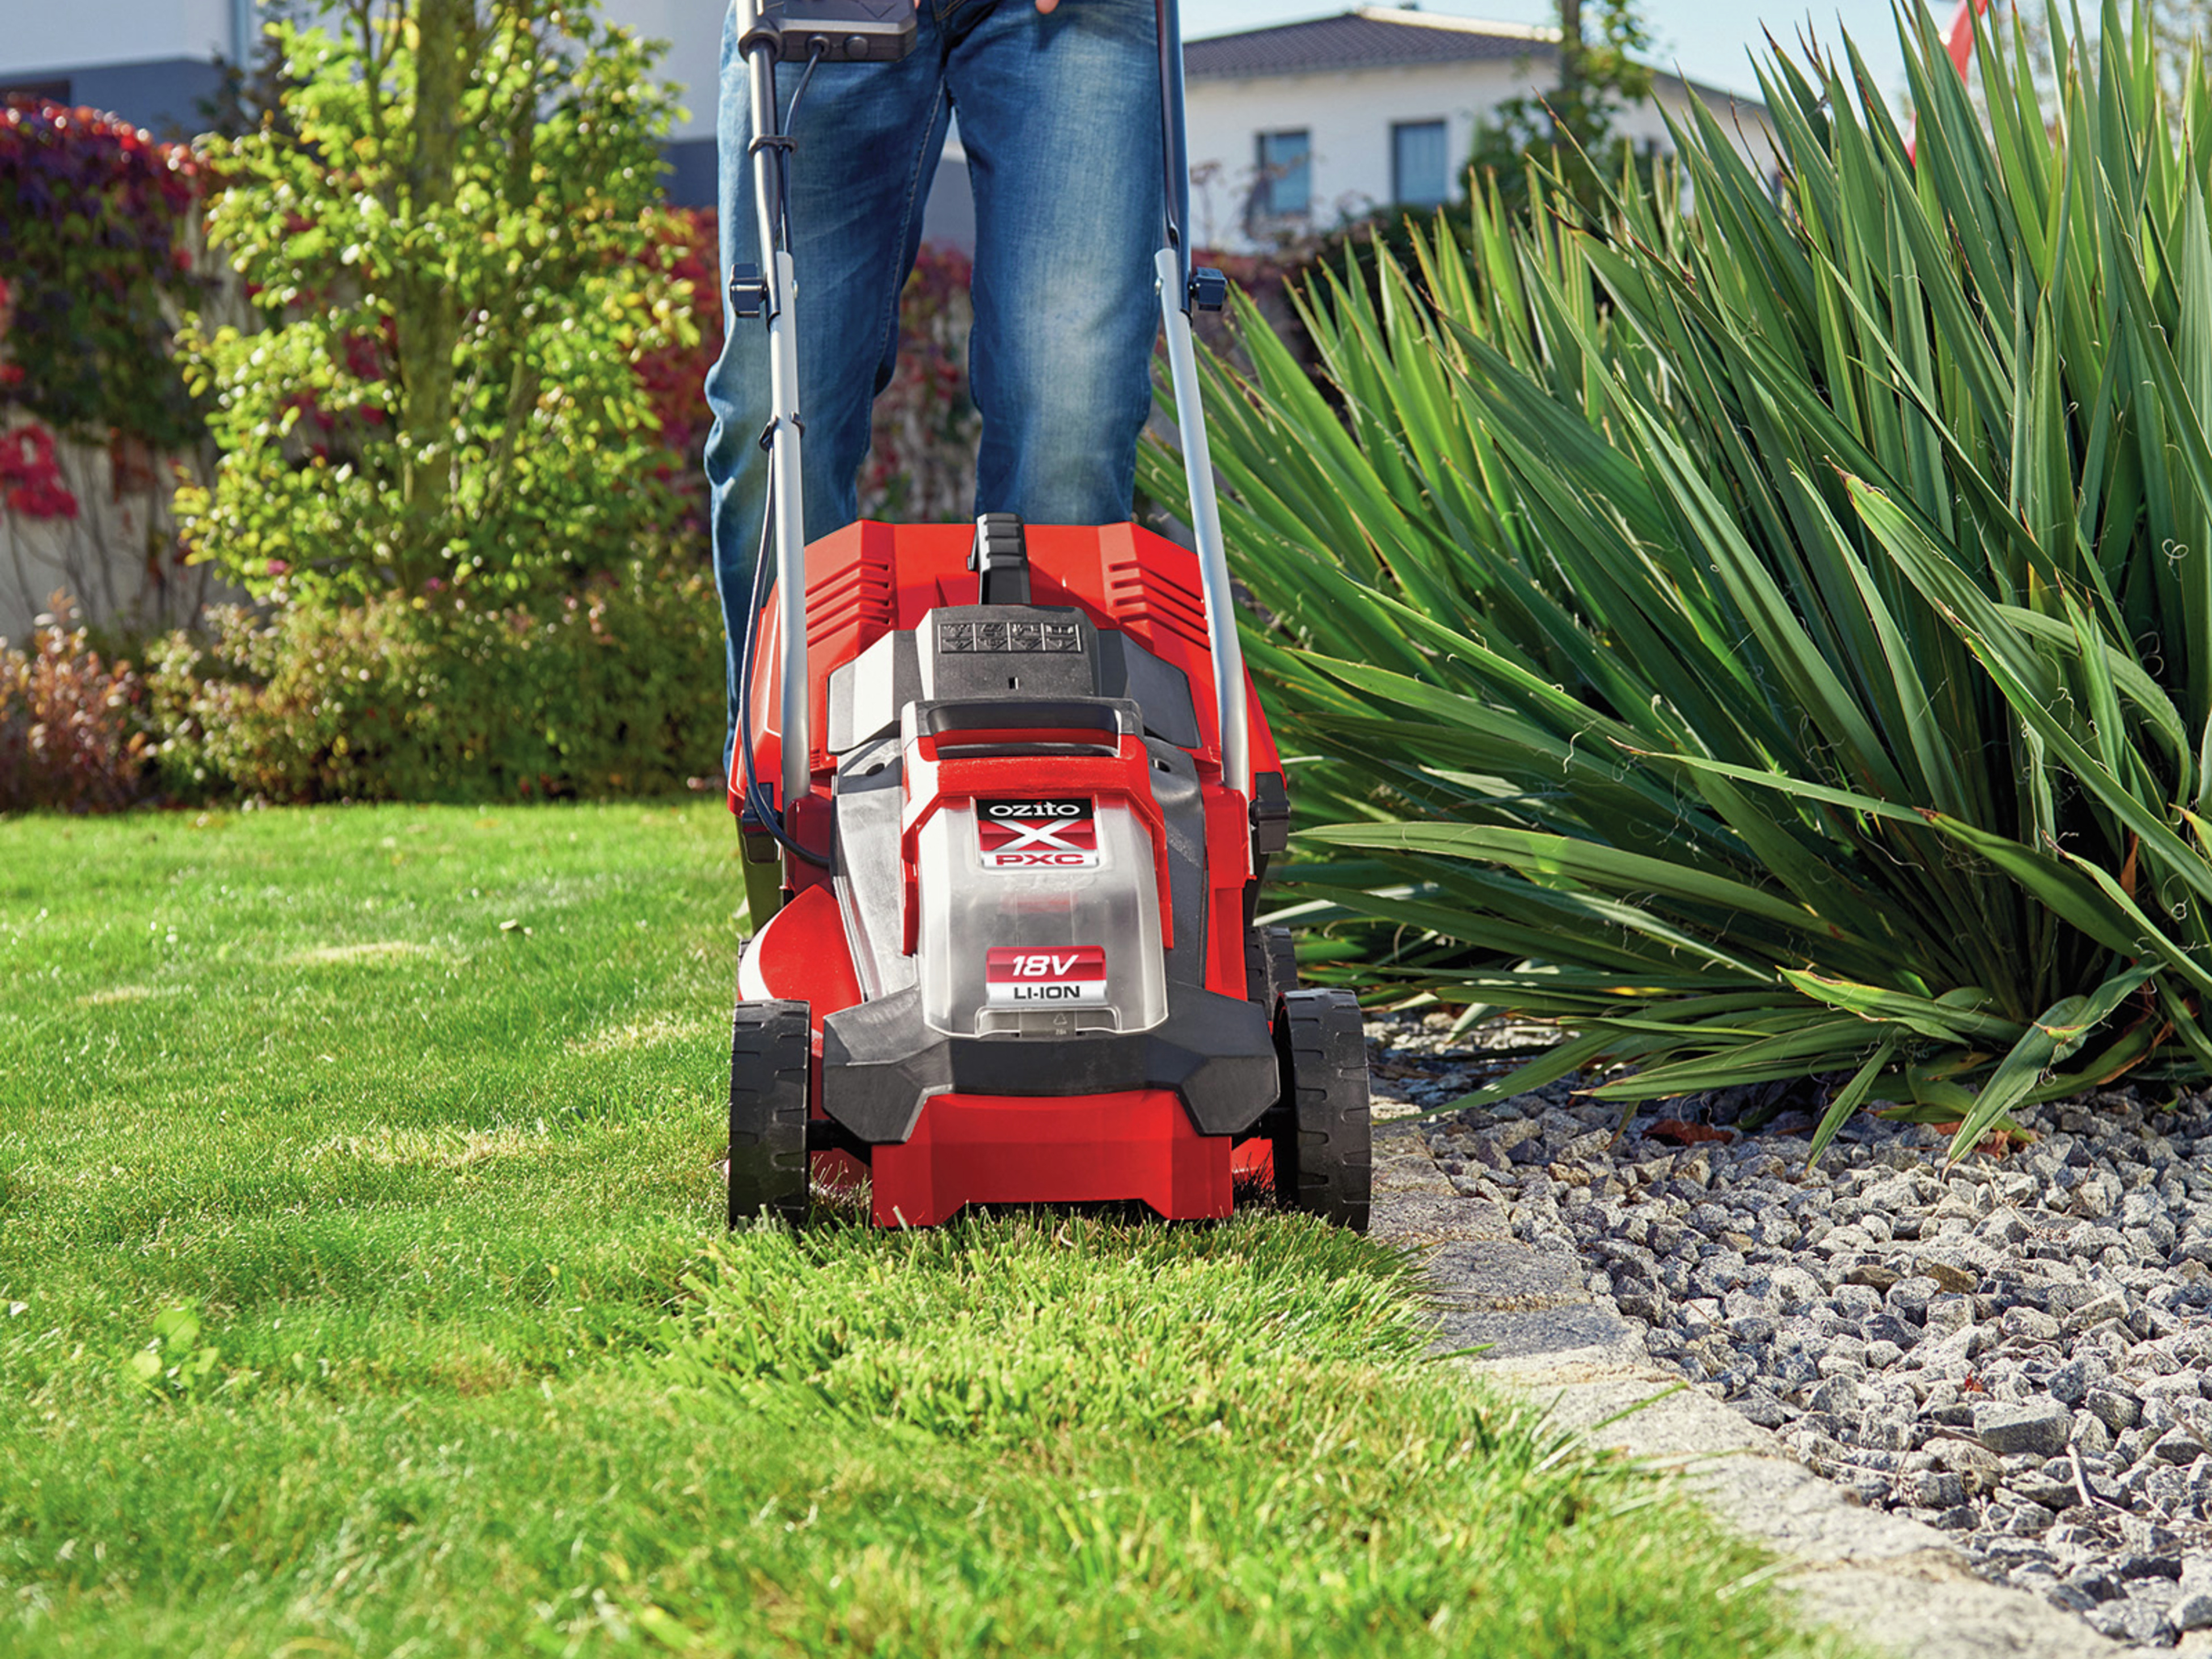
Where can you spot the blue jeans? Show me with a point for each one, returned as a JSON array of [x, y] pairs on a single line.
[[1061, 117]]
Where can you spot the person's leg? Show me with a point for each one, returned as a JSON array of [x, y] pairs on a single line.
[[1060, 117], [868, 137]]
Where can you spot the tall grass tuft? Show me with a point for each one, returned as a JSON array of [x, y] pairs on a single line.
[[1770, 639]]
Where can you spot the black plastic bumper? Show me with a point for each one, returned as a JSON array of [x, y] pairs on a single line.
[[880, 1063]]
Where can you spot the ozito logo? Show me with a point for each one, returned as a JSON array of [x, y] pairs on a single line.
[[1037, 835], [997, 810], [1021, 977]]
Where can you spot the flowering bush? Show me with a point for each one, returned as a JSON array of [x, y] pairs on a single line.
[[99, 251], [97, 233], [71, 730], [674, 375], [613, 690]]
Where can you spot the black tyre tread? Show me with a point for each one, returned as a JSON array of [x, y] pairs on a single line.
[[1270, 966], [1322, 1133], [770, 1044]]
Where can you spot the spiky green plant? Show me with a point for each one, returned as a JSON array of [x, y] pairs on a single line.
[[1771, 639]]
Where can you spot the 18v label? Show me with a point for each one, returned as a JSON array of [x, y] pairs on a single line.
[[1022, 976]]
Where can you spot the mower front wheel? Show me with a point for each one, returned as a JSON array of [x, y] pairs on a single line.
[[1270, 965], [1321, 1134], [770, 1045]]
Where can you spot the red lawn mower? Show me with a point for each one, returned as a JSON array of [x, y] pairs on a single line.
[[1007, 798]]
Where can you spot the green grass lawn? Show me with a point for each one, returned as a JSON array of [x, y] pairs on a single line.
[[363, 1290]]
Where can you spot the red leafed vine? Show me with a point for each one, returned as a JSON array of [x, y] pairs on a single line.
[[30, 477]]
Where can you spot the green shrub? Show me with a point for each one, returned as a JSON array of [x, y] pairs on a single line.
[[613, 690], [1775, 642], [452, 245]]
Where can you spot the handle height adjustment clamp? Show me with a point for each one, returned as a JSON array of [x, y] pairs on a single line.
[[748, 291]]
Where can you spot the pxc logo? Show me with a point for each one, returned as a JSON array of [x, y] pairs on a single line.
[[1037, 835], [1019, 976]]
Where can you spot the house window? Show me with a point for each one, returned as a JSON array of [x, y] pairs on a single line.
[[1285, 187], [1419, 173]]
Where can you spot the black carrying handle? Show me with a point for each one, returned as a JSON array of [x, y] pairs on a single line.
[[1112, 716]]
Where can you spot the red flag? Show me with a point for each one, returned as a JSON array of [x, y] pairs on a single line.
[[1961, 38], [1959, 42]]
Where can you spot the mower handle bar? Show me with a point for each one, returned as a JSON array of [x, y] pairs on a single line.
[[761, 41]]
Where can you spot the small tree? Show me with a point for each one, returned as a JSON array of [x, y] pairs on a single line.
[[450, 238], [1570, 128]]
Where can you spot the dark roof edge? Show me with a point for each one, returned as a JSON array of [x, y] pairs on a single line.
[[1536, 47]]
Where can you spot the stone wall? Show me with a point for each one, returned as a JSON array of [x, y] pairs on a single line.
[[117, 556]]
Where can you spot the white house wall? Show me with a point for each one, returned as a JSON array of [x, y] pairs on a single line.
[[42, 38], [693, 30], [1350, 114]]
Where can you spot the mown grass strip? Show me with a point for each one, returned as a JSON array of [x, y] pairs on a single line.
[[361, 1292]]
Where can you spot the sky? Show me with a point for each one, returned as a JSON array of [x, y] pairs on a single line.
[[1708, 41]]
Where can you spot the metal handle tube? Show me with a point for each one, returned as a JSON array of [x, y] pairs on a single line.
[[1172, 268], [1227, 650], [787, 483], [790, 535]]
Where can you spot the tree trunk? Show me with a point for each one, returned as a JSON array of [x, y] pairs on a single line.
[[427, 322], [1568, 107]]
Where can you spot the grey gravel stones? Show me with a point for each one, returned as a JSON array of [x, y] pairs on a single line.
[[2191, 1608], [2116, 1406], [2042, 1427], [2016, 1351]]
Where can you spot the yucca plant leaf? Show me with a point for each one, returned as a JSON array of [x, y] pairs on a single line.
[[2057, 1032], [1956, 1018], [1564, 1060], [1819, 1043], [1850, 1098]]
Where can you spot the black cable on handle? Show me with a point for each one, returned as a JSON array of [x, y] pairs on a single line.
[[783, 150], [1175, 196], [758, 802]]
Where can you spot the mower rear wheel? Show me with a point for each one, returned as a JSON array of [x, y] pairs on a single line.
[[770, 1044], [1322, 1135]]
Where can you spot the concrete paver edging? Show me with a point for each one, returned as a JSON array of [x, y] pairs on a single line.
[[1888, 1583]]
